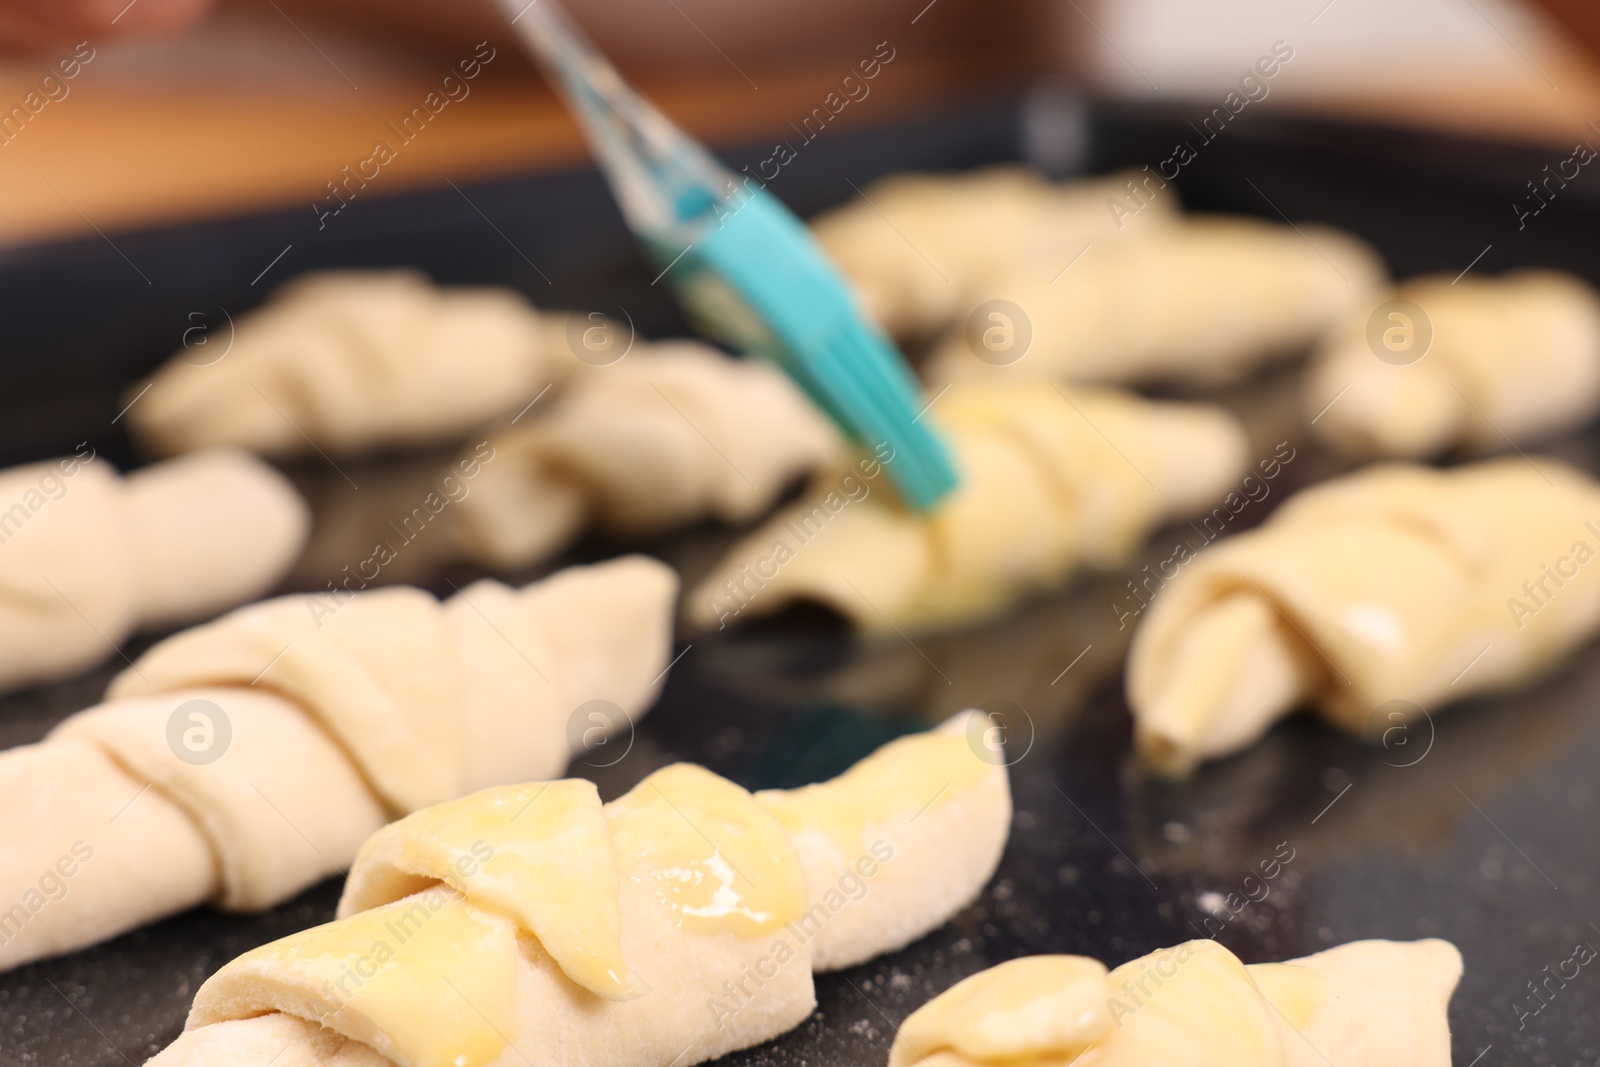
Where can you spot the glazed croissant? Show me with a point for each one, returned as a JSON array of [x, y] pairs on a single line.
[[88, 556], [1206, 300], [1362, 1004], [1474, 363], [1050, 481], [916, 245], [533, 925], [242, 761], [350, 361], [1396, 583], [673, 433]]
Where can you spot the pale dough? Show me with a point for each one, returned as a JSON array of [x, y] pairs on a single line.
[[1201, 301], [332, 716], [673, 433], [915, 246], [1487, 362], [1051, 480], [1396, 583], [350, 361], [88, 556], [535, 926], [1362, 1004]]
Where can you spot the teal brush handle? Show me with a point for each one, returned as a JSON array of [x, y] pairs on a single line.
[[759, 281], [749, 273]]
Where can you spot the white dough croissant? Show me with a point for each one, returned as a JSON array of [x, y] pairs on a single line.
[[242, 761], [88, 556], [1362, 1004], [1475, 363], [673, 433], [351, 361], [534, 926], [916, 245], [1051, 480], [1396, 583], [1206, 300]]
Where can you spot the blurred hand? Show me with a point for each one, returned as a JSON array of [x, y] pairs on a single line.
[[31, 25]]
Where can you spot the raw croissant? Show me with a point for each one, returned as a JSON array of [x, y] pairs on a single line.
[[1396, 583], [532, 925], [673, 433], [1362, 1004], [244, 760], [346, 362], [1050, 481], [1197, 302], [88, 556], [1485, 362], [916, 245]]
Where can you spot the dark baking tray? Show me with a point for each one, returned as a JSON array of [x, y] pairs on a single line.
[[1477, 827]]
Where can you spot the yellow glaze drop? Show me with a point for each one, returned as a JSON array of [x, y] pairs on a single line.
[[1298, 992], [1024, 1009], [715, 856], [900, 782], [428, 981], [539, 853]]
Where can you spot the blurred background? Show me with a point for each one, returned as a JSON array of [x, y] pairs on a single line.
[[190, 109]]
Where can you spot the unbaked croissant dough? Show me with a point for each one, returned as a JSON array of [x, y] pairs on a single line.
[[1051, 480], [532, 925], [1362, 1004], [673, 433], [916, 245], [88, 556], [1487, 360], [241, 761], [1205, 300], [351, 361], [1396, 583]]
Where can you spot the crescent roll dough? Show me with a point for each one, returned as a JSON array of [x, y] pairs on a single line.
[[1396, 583], [244, 760], [915, 245], [1202, 301], [674, 433], [1050, 481], [1486, 359], [1363, 1004], [534, 925], [350, 361], [88, 556]]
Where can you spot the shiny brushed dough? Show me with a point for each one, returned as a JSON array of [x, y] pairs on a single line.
[[1362, 1004], [88, 556], [532, 925], [1488, 361], [1051, 481], [1396, 583], [331, 716]]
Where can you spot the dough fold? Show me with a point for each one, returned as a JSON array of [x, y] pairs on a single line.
[[1469, 363], [1202, 301], [247, 759], [1362, 1004], [534, 925], [1396, 583], [349, 361], [88, 556], [674, 433], [1051, 480]]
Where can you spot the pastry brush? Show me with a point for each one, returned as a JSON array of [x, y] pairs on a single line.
[[746, 270]]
